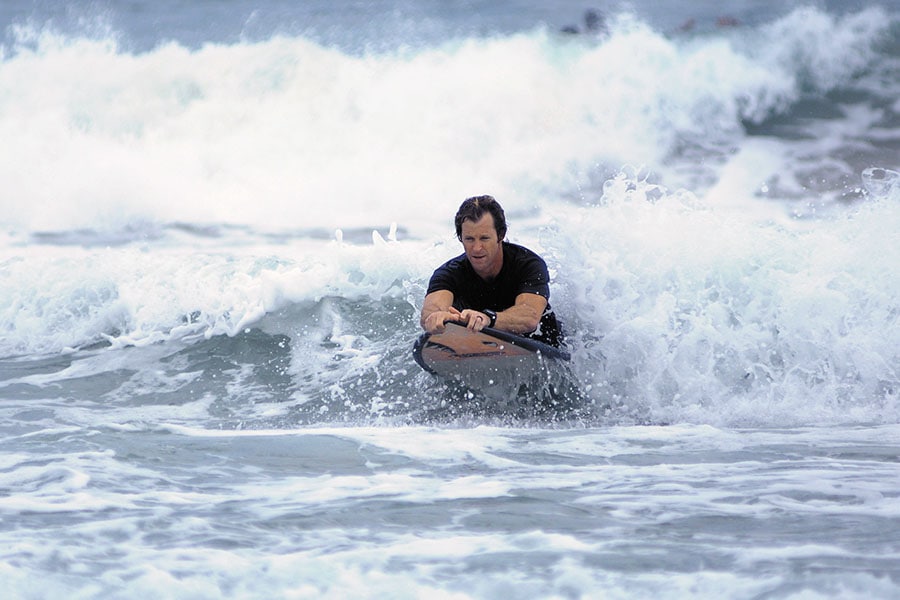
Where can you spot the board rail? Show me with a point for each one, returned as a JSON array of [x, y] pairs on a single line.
[[457, 343]]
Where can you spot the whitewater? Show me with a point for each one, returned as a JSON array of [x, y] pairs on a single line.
[[217, 224]]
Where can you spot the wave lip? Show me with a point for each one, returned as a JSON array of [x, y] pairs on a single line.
[[256, 132]]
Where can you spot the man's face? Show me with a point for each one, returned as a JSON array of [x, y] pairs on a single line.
[[483, 247]]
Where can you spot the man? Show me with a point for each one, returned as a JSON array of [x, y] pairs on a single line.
[[493, 283]]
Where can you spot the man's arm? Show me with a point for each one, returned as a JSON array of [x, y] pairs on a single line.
[[437, 310], [522, 317]]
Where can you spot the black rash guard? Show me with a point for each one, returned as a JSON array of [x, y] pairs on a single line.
[[523, 271]]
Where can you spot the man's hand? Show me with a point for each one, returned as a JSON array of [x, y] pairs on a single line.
[[437, 310], [523, 317], [436, 320], [474, 320]]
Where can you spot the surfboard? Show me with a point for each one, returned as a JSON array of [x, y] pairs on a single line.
[[497, 363]]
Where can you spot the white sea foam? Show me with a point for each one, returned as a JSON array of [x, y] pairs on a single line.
[[701, 308], [275, 134], [685, 310], [561, 514]]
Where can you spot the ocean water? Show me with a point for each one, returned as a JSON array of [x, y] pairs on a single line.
[[217, 223]]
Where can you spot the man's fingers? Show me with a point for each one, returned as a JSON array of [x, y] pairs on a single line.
[[474, 320]]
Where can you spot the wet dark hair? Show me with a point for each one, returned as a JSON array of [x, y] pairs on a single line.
[[472, 209]]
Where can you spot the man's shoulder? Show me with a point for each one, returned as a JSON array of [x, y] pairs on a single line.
[[454, 264], [520, 253], [450, 275], [453, 269]]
